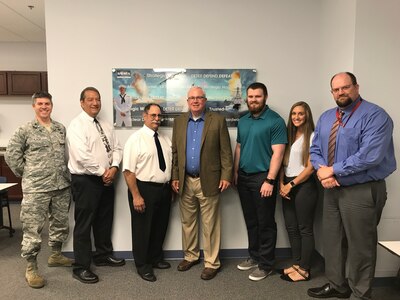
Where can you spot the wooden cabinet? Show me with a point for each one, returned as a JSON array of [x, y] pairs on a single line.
[[15, 192], [22, 83], [43, 81], [3, 83]]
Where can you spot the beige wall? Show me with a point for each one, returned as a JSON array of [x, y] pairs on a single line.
[[15, 110], [296, 46]]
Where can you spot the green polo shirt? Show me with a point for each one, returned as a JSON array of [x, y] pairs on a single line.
[[256, 136]]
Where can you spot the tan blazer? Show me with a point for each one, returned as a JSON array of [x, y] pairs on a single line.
[[215, 154]]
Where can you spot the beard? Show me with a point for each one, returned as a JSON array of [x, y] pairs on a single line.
[[256, 108], [343, 101]]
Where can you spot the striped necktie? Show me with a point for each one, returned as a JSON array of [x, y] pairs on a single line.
[[332, 139]]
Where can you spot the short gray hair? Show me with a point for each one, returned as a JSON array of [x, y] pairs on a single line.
[[42, 94]]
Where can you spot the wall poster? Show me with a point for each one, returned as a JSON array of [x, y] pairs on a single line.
[[134, 88]]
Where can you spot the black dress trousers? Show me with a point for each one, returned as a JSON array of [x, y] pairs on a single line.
[[150, 227], [94, 210]]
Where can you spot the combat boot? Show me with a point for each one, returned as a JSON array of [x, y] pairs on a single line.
[[32, 277], [56, 259]]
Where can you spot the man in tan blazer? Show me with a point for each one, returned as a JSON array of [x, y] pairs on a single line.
[[201, 170]]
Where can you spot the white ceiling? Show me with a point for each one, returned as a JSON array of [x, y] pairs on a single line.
[[19, 23]]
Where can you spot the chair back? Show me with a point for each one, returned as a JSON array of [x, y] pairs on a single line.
[[3, 192]]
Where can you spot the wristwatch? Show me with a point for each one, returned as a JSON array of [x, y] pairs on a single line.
[[270, 181], [292, 184]]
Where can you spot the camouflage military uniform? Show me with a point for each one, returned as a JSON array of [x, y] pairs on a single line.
[[38, 156]]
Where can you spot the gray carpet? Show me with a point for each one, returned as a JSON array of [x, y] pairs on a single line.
[[124, 283]]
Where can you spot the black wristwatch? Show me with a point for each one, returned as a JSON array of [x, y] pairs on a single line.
[[270, 181], [292, 184]]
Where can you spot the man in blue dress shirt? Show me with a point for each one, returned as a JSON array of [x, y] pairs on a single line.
[[354, 183]]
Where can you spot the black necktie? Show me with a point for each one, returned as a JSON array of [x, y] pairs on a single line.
[[122, 99], [161, 160]]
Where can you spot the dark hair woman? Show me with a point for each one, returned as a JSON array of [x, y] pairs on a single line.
[[299, 192]]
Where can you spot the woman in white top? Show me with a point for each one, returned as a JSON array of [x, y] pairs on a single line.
[[299, 192]]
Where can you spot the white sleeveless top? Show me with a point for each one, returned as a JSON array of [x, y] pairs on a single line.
[[295, 165]]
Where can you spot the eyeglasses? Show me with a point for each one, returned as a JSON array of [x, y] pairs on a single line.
[[343, 88], [196, 98], [153, 116]]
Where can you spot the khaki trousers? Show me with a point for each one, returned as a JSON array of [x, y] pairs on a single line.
[[191, 203]]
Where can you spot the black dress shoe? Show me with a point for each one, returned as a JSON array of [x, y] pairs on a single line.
[[110, 261], [148, 276], [162, 265], [327, 291], [85, 275]]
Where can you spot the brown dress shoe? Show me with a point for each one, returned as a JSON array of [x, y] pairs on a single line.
[[185, 265], [209, 273]]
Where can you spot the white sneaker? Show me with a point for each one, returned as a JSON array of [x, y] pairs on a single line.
[[247, 264], [259, 274]]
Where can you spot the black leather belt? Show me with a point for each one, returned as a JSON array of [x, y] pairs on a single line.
[[193, 175], [154, 183]]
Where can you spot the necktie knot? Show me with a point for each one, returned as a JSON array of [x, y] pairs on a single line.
[[339, 117]]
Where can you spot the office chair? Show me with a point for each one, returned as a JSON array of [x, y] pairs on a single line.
[[5, 203]]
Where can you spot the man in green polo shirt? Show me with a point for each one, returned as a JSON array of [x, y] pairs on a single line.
[[261, 140]]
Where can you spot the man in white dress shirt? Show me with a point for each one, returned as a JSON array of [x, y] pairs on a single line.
[[147, 171], [122, 105], [94, 157]]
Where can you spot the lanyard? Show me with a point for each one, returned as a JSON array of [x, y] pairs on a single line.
[[339, 114]]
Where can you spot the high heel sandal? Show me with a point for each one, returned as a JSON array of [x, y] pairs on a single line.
[[305, 278], [282, 271]]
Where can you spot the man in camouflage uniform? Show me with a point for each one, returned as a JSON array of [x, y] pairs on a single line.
[[36, 152]]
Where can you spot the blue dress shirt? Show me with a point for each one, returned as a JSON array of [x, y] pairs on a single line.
[[193, 144], [364, 145]]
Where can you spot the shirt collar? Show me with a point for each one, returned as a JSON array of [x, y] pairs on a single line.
[[36, 123], [351, 106], [86, 116], [148, 131], [201, 118]]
